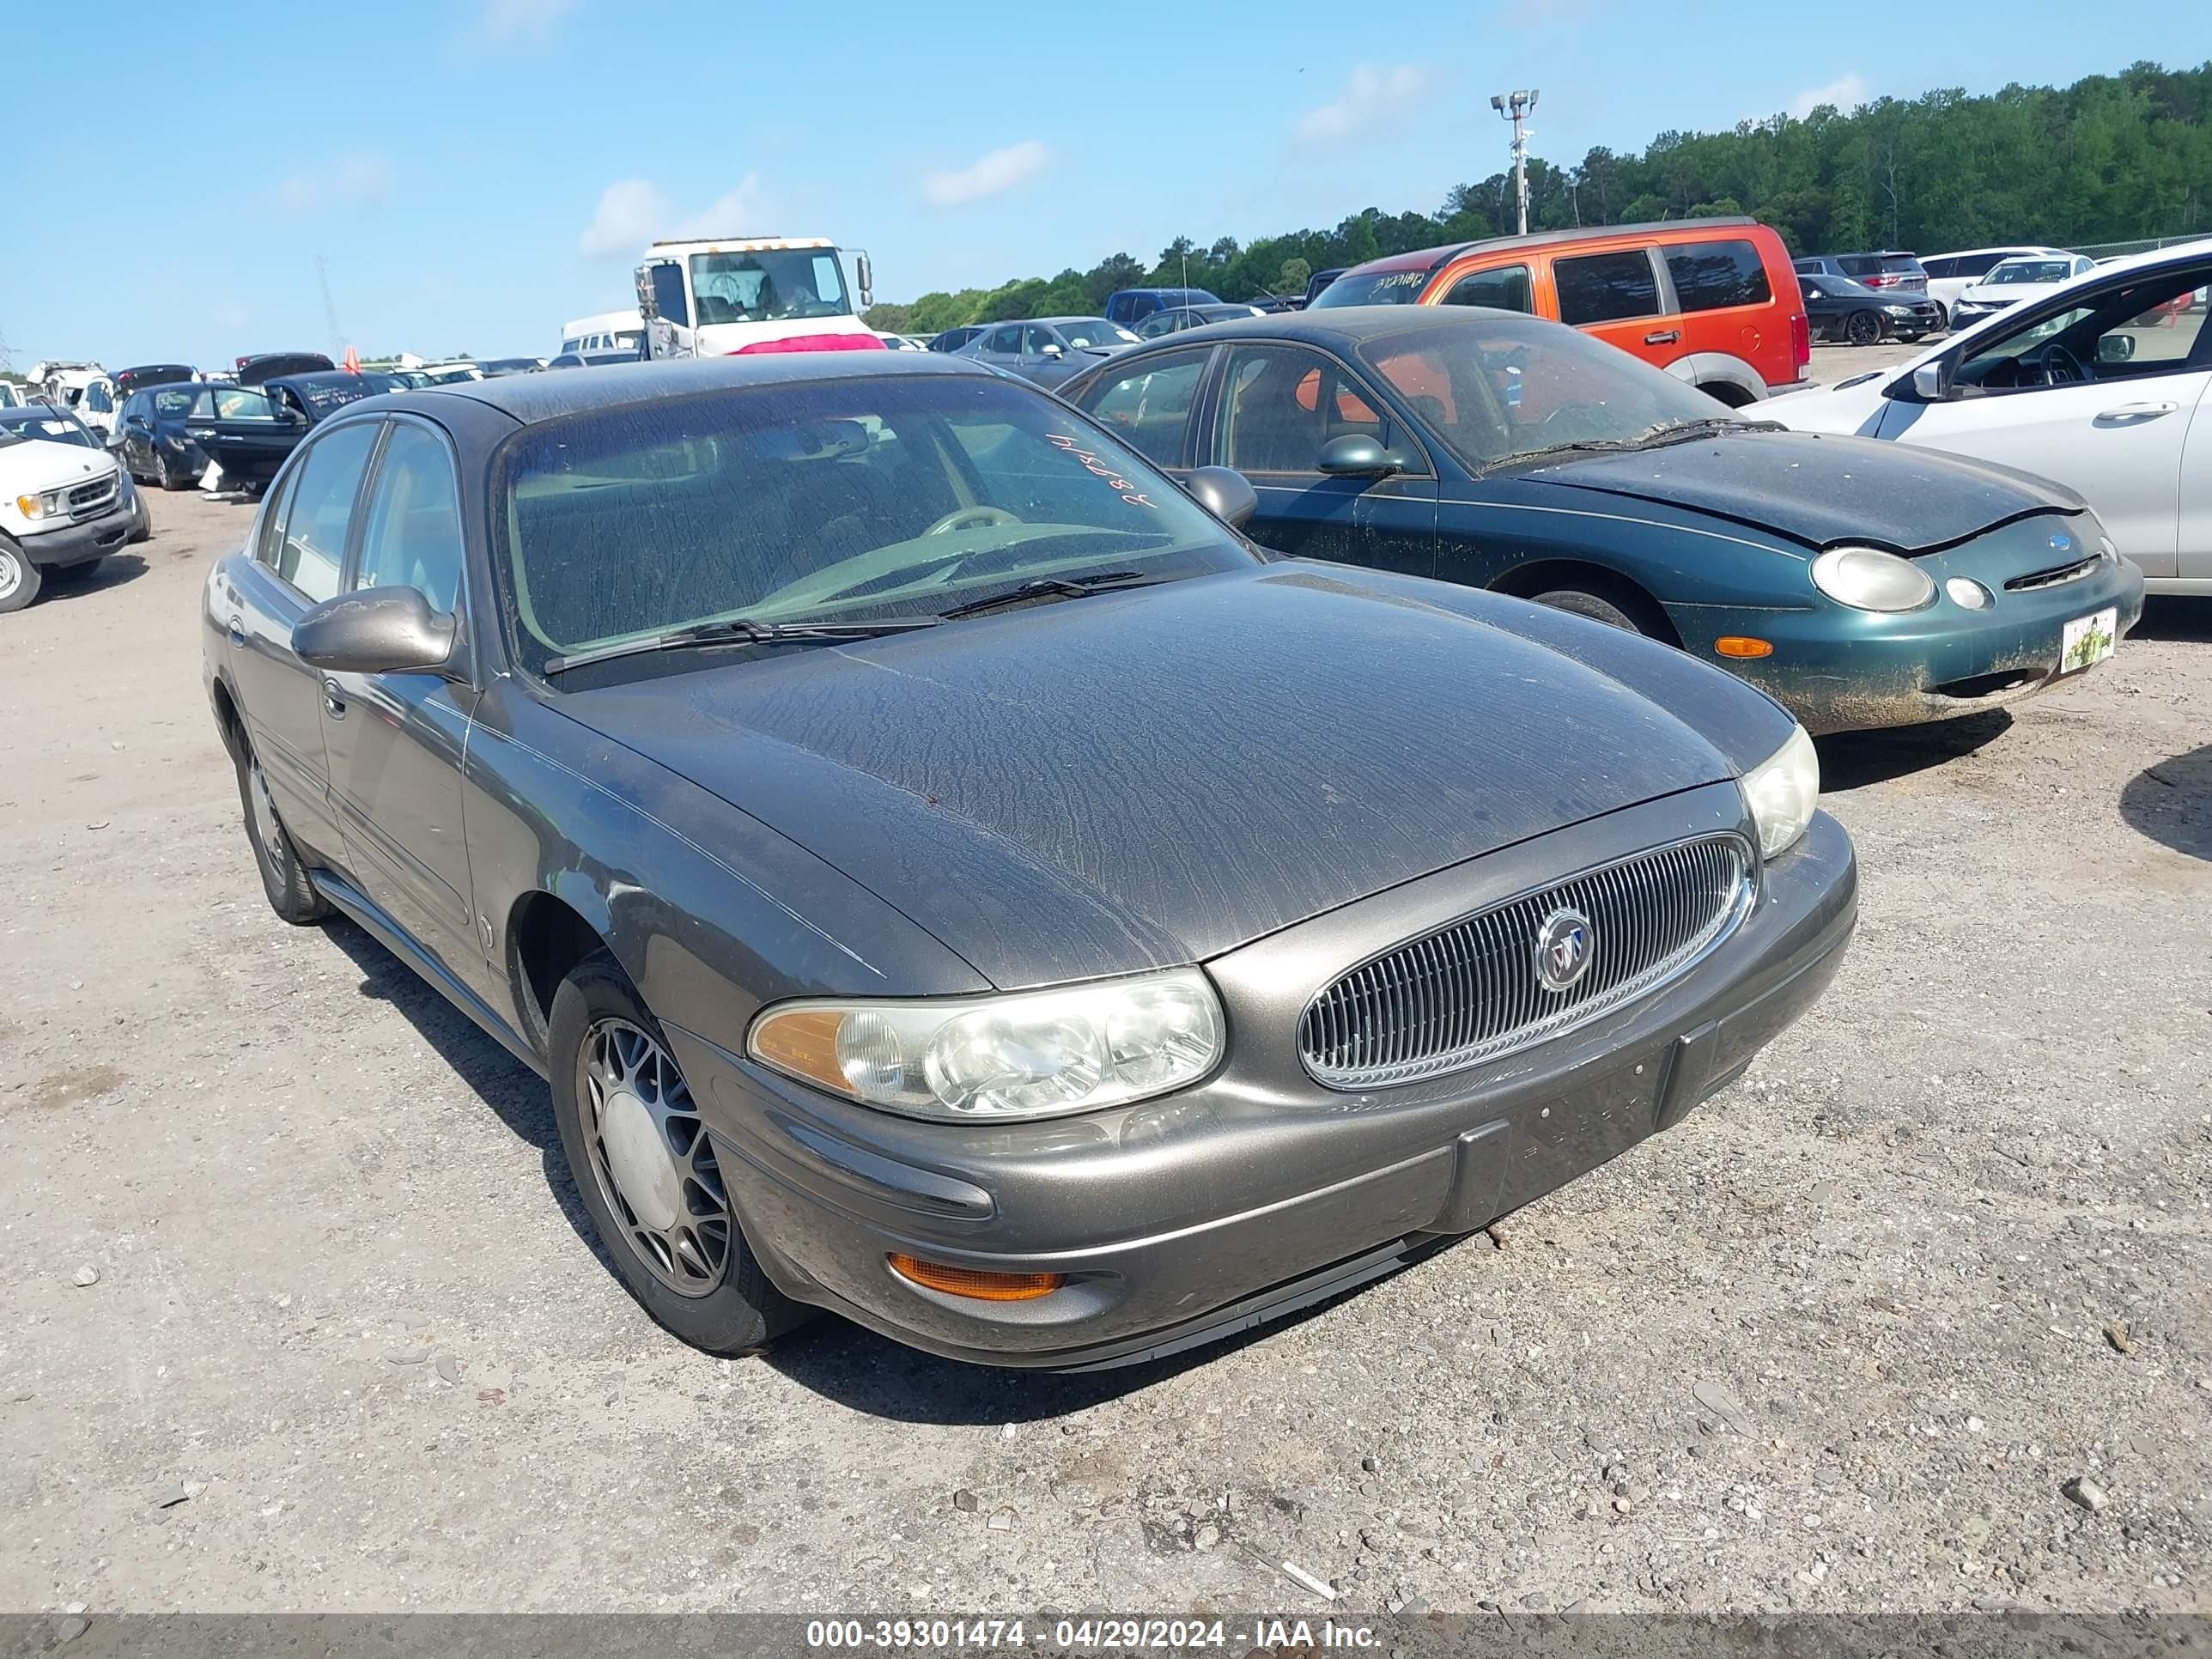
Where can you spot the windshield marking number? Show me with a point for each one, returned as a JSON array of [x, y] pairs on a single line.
[[1130, 493]]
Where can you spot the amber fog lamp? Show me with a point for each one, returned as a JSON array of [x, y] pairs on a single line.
[[1742, 645], [976, 1283]]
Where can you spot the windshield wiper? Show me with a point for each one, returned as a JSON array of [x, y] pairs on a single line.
[[1668, 432], [736, 630], [1579, 446], [1067, 588]]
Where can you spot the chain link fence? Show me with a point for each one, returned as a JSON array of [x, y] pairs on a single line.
[[2142, 245]]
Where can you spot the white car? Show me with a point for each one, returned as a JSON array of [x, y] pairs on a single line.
[[2100, 384], [2010, 281], [1950, 275], [63, 502]]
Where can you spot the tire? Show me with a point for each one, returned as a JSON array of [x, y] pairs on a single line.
[[161, 472], [141, 528], [283, 878], [1863, 328], [1612, 610], [1942, 317], [713, 1294], [20, 579]]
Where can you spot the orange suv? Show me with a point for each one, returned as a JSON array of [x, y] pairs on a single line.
[[1712, 301]]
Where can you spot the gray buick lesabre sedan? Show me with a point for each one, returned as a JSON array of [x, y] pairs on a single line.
[[951, 878]]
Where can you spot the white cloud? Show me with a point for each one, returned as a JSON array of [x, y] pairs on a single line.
[[992, 174], [1376, 94], [1846, 92], [635, 211], [524, 19], [359, 179]]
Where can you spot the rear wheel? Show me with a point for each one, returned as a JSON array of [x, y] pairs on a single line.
[[647, 1170], [1863, 328], [291, 895], [20, 579]]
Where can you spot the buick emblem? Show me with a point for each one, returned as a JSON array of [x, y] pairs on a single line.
[[1563, 950]]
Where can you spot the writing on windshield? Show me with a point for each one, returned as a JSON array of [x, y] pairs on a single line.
[[1130, 493]]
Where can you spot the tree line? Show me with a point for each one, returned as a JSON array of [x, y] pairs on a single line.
[[2110, 158]]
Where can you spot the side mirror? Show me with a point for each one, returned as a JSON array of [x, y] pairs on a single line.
[[1812, 293], [1355, 455], [115, 438], [381, 630], [1931, 384], [866, 273], [1051, 351], [2116, 348], [1225, 493]]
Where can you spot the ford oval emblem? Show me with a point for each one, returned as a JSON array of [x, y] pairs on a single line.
[[1562, 949], [2061, 542]]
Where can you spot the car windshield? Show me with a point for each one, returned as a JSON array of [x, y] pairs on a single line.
[[2031, 270], [837, 501], [175, 405], [235, 403], [1502, 389], [1094, 331], [767, 286], [20, 426], [1373, 288], [323, 395]]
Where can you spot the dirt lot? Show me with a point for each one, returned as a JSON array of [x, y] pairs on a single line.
[[1837, 1342]]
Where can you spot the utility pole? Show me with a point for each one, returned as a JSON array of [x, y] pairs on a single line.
[[1514, 107]]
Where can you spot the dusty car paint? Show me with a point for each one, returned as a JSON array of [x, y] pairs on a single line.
[[750, 833]]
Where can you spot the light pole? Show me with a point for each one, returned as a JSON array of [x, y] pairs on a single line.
[[1514, 107]]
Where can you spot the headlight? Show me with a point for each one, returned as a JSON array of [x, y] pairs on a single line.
[[1781, 792], [1899, 311], [2105, 549], [1868, 578], [1036, 1053], [40, 506]]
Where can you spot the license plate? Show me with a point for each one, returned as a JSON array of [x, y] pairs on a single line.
[[2087, 639]]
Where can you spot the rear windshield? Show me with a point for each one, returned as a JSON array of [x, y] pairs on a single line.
[[1094, 331], [325, 395], [838, 500], [2031, 270], [1373, 288]]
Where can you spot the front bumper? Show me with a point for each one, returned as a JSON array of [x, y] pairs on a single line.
[[1181, 1220], [79, 543], [1839, 670]]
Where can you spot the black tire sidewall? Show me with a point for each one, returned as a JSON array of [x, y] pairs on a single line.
[[283, 880], [27, 589], [1595, 607], [745, 1312]]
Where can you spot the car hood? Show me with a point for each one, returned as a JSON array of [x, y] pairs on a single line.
[[40, 464], [1151, 777], [2004, 294], [1818, 491]]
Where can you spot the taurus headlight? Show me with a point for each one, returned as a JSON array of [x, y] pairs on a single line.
[[1033, 1054], [1781, 792], [1868, 578]]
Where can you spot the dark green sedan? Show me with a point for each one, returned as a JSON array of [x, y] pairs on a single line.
[[1861, 584]]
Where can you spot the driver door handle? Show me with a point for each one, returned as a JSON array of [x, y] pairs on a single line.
[[1664, 337], [2138, 411], [334, 699]]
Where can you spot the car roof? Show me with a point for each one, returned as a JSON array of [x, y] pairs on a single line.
[[1429, 258], [529, 398], [1338, 328]]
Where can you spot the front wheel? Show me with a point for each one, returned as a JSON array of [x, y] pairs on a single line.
[[1863, 328], [20, 579], [1614, 610], [638, 1148], [291, 895]]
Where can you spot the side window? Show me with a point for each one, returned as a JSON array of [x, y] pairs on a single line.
[[1976, 265], [1282, 403], [1150, 408], [1858, 265], [315, 520], [1605, 288], [269, 538], [1007, 340], [1709, 276], [1806, 267], [1505, 288], [1035, 339], [2145, 327], [1933, 267], [413, 535]]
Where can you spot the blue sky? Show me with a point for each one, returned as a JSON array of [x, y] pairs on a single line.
[[475, 172]]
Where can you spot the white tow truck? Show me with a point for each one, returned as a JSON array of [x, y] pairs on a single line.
[[722, 295]]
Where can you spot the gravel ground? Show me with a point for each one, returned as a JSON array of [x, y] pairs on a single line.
[[295, 1313]]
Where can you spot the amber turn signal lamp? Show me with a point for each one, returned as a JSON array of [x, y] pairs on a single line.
[[805, 1043], [974, 1282], [1742, 645]]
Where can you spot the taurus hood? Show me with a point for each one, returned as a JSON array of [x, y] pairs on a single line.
[[1151, 777]]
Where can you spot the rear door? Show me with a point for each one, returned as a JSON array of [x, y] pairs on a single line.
[[1621, 297], [245, 430], [396, 741], [1726, 307], [298, 558], [1274, 406], [1149, 404]]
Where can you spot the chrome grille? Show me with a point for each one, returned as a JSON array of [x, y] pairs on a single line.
[[1470, 991]]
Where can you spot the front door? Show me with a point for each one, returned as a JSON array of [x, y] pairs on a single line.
[[1276, 406], [2101, 391], [1617, 296], [396, 741], [297, 561]]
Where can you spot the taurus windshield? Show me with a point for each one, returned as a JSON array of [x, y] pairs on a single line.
[[837, 501]]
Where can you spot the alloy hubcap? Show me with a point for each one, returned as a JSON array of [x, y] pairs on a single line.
[[11, 575], [266, 830], [651, 1156]]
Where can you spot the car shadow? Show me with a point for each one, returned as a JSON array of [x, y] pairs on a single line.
[[1852, 760], [2175, 616], [515, 1094], [78, 581], [2171, 802]]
